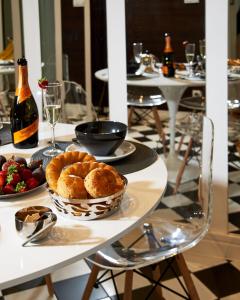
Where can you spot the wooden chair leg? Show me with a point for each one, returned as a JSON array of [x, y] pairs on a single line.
[[156, 275], [91, 281], [183, 165], [159, 128], [49, 284], [180, 143], [187, 277], [128, 285], [131, 111]]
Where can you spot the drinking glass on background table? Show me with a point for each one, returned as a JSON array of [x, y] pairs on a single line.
[[202, 51], [137, 52], [52, 109], [190, 53]]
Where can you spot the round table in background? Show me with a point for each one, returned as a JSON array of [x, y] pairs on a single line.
[[172, 89]]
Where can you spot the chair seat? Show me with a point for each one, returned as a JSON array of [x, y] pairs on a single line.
[[194, 103], [144, 97], [155, 240], [199, 103], [147, 102], [233, 104]]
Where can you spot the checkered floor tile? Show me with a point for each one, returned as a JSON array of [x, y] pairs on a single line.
[[144, 134]]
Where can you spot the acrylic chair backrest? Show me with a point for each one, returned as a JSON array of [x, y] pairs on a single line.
[[205, 179], [75, 101], [191, 209]]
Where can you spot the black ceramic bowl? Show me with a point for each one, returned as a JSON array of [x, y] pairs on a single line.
[[101, 138]]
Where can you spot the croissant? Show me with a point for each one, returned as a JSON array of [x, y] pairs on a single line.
[[56, 165]]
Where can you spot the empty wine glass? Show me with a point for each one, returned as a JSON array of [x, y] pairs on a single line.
[[137, 52], [52, 109], [202, 51], [190, 53]]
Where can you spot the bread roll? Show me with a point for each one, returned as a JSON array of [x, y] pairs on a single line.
[[71, 187], [101, 183]]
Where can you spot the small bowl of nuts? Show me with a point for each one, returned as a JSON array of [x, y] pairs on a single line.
[[33, 219]]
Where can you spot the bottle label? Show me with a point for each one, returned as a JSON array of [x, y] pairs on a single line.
[[23, 94], [168, 47], [25, 133], [165, 70]]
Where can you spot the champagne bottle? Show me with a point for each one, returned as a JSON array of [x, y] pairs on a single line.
[[168, 58], [24, 112]]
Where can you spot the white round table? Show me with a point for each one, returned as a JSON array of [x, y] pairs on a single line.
[[74, 239], [173, 89]]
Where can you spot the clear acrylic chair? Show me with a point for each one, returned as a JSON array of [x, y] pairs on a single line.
[[5, 103], [75, 103], [191, 125], [143, 103], [164, 235]]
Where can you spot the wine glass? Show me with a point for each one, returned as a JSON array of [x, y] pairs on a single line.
[[52, 109], [202, 51], [137, 52], [190, 53]]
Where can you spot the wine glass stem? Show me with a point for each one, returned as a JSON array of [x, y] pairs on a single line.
[[191, 70], [53, 136]]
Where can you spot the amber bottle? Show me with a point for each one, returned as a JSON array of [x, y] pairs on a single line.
[[24, 112], [168, 58]]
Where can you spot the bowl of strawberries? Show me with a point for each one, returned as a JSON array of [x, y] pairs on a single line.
[[17, 177]]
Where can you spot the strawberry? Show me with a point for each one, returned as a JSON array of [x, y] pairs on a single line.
[[26, 174], [3, 177], [13, 178], [13, 165], [21, 187], [42, 83], [8, 189], [32, 183]]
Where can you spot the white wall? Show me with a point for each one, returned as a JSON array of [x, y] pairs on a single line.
[[32, 47], [116, 45], [216, 96]]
